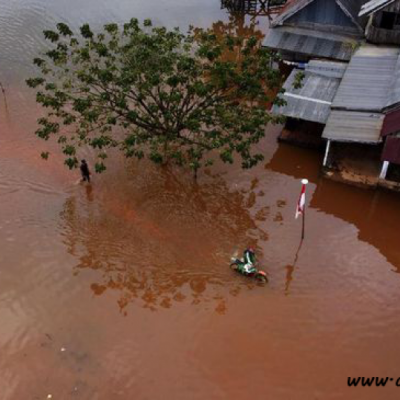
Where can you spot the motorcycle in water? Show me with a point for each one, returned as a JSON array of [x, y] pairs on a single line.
[[246, 266]]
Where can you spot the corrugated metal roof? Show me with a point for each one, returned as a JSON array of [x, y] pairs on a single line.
[[353, 7], [322, 15], [331, 69], [311, 43], [312, 102], [291, 8], [354, 126], [370, 84], [350, 7], [394, 94], [368, 79], [374, 6]]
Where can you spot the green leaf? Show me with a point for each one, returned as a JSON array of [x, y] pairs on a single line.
[[64, 29], [158, 93], [51, 35], [156, 157], [69, 150], [34, 82], [86, 32], [38, 61], [298, 80], [111, 28], [71, 162], [100, 167]]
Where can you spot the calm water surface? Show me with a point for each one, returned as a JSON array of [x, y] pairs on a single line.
[[121, 290]]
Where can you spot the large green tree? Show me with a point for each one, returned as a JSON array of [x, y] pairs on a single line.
[[154, 92]]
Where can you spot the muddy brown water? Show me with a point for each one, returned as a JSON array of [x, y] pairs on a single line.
[[121, 290]]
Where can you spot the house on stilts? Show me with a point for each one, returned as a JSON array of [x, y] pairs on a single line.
[[306, 29], [354, 127], [322, 34], [307, 108], [350, 97]]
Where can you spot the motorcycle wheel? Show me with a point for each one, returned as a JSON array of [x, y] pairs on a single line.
[[262, 278]]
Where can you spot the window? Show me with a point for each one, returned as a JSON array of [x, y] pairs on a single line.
[[389, 20]]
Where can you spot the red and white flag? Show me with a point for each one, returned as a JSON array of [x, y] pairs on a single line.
[[302, 199]]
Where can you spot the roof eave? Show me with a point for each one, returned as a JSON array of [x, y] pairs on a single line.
[[353, 140], [346, 11], [391, 108], [293, 10], [373, 11], [289, 13]]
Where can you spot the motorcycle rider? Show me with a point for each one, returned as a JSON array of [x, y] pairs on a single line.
[[247, 265], [249, 259]]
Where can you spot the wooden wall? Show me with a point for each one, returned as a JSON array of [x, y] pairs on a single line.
[[384, 36]]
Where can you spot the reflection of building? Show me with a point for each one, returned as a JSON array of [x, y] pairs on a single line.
[[360, 207], [356, 206]]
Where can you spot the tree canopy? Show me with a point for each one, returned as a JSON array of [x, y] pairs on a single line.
[[156, 93]]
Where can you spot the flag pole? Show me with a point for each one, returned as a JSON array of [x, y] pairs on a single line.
[[303, 229], [301, 207]]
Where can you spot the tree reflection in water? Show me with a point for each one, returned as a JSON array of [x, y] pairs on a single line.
[[159, 239]]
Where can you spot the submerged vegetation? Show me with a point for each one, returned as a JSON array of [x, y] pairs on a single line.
[[156, 93]]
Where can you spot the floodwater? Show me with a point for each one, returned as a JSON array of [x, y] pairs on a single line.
[[121, 289]]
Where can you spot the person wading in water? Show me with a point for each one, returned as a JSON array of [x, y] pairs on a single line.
[[85, 171]]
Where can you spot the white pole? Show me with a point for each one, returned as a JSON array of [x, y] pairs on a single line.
[[328, 145], [384, 170], [304, 183]]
